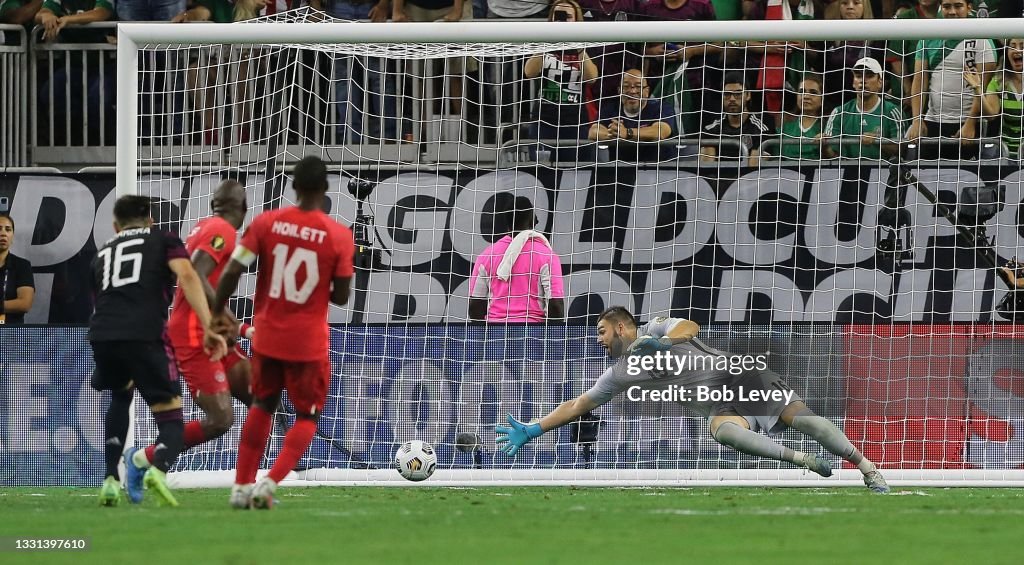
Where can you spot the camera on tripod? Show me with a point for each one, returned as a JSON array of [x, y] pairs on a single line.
[[367, 256]]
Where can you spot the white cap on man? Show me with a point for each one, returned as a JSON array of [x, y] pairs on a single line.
[[868, 64]]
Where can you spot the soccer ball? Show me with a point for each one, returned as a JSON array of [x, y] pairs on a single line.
[[416, 460]]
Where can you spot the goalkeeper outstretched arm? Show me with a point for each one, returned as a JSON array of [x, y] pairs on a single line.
[[517, 434]]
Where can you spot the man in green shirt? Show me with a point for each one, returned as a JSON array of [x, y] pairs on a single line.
[[875, 121]]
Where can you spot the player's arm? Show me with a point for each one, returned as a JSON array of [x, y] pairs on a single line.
[[517, 434], [340, 290], [192, 287], [660, 334], [204, 265]]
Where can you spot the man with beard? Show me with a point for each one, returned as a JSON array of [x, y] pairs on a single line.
[[734, 423], [637, 119], [734, 125]]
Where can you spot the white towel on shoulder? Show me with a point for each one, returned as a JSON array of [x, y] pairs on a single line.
[[514, 249]]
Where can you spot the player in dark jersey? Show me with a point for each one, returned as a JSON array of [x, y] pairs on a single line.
[[306, 261], [211, 383], [758, 398], [134, 274]]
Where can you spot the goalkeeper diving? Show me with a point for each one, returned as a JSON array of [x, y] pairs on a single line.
[[734, 423]]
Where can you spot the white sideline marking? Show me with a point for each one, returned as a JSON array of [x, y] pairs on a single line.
[[778, 511], [909, 493]]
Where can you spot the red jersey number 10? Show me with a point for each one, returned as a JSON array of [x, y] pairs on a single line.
[[286, 265]]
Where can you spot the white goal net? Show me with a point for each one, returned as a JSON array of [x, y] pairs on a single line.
[[834, 194]]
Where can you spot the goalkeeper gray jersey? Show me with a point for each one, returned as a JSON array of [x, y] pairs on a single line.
[[697, 365]]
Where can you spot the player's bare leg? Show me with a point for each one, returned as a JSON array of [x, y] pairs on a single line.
[[251, 445], [799, 417], [240, 381], [732, 430]]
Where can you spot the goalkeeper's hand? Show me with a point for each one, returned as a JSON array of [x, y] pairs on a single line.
[[515, 435], [648, 345]]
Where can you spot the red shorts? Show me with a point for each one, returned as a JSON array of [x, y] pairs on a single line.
[[234, 356], [305, 381], [201, 375]]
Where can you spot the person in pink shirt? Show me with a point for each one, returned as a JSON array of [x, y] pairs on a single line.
[[518, 278]]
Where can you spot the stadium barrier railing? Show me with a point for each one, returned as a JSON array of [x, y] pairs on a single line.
[[13, 96]]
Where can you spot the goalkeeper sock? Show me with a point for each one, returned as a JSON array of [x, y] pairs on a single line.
[[168, 440], [831, 438], [296, 442], [251, 445], [753, 443], [194, 434], [116, 429]]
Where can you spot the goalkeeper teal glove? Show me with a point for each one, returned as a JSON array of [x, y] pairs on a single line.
[[647, 345], [515, 435]]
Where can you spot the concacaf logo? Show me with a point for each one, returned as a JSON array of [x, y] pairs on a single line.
[[415, 464]]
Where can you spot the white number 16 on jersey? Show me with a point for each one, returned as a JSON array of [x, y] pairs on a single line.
[[286, 266]]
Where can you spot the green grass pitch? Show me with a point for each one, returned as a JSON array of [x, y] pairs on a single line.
[[530, 525]]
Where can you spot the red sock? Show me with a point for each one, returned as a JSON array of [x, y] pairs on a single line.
[[149, 453], [296, 441], [193, 434], [251, 445]]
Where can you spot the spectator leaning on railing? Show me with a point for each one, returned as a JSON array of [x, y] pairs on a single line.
[[943, 105], [870, 118], [801, 132], [735, 127], [637, 119], [1004, 96], [56, 14], [17, 289]]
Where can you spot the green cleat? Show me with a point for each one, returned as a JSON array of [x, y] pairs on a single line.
[[156, 480], [110, 492]]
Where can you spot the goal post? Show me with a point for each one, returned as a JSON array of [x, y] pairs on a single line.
[[838, 261]]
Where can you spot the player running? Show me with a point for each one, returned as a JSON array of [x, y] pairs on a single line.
[[211, 383], [134, 273], [733, 424], [306, 261]]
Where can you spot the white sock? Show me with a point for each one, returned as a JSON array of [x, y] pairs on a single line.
[[139, 458]]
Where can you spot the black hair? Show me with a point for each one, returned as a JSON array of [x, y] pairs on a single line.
[[9, 219], [521, 216], [130, 208], [310, 175], [734, 77], [616, 314]]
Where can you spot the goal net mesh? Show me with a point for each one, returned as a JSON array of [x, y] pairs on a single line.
[[777, 194]]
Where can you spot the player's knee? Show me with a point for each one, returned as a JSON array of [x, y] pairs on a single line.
[[268, 404], [220, 421], [719, 426], [311, 417], [121, 396]]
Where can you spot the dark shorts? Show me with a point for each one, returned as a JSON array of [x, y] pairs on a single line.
[[149, 364], [305, 381]]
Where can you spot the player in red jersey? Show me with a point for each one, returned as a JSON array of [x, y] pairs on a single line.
[[211, 383], [306, 261]]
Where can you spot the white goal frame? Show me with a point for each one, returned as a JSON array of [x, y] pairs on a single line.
[[131, 37]]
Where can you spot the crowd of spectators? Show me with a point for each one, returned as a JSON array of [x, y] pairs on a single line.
[[738, 101]]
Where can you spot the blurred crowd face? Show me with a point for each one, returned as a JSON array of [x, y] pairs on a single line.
[[927, 4], [634, 91], [809, 98], [851, 9], [955, 9], [1015, 55], [733, 98], [562, 12], [866, 82]]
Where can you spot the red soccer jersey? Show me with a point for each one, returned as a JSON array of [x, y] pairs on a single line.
[[300, 253], [216, 236]]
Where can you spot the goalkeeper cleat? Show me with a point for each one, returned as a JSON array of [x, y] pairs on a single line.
[[818, 464], [876, 482], [241, 496], [110, 492], [263, 494], [156, 480], [133, 477]]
